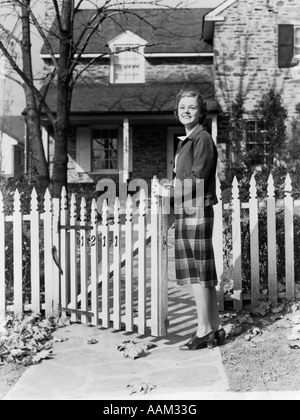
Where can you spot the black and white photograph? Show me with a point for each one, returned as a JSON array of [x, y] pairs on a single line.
[[149, 202]]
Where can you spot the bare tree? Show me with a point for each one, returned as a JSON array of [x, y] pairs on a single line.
[[63, 71]]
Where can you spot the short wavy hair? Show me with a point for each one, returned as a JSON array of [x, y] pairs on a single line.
[[190, 93]]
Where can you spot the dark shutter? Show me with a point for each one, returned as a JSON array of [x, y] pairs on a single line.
[[285, 46]]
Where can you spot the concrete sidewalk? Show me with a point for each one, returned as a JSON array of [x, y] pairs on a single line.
[[82, 371], [100, 371]]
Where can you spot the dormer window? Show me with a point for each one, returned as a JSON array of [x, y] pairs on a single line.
[[127, 59]]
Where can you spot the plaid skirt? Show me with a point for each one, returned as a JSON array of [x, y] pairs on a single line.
[[194, 254]]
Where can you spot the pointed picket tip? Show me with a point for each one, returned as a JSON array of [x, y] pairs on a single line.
[[253, 187], [34, 205], [271, 188], [64, 199], [235, 188], [83, 210], [129, 208], [94, 205], [94, 211], [143, 205], [73, 206], [288, 184], [117, 206], [47, 201], [17, 201]]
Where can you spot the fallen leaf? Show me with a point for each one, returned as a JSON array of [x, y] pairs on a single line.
[[59, 339], [277, 309], [141, 388], [295, 346], [44, 354], [134, 349], [92, 341]]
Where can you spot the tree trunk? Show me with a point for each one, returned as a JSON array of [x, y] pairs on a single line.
[[61, 129], [38, 165]]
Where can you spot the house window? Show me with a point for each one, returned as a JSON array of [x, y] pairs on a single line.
[[256, 144], [105, 150], [288, 45], [127, 58], [128, 64]]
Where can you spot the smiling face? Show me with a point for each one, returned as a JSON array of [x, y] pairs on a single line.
[[188, 112]]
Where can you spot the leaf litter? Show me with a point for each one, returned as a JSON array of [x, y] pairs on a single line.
[[28, 340]]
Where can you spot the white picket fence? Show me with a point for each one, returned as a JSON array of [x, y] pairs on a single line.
[[253, 207], [113, 272]]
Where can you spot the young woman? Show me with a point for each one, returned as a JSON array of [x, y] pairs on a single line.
[[195, 160]]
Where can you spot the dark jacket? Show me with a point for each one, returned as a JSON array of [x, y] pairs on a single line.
[[197, 159]]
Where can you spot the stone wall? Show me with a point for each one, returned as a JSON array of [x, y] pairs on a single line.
[[163, 71], [246, 53]]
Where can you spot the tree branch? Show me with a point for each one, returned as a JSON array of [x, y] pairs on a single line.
[[44, 37]]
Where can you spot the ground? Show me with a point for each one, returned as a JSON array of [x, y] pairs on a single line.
[[267, 363], [257, 354]]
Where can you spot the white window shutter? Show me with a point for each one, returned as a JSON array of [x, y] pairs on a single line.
[[83, 149]]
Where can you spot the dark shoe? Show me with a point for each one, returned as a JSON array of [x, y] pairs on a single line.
[[220, 336], [197, 343]]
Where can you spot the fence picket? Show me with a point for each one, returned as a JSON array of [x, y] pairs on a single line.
[[141, 264], [271, 226], [65, 251], [17, 247], [2, 261], [236, 246], [83, 260], [105, 267], [129, 265], [154, 266], [56, 263], [48, 253], [117, 266], [94, 264], [35, 253], [73, 258], [254, 242], [289, 240], [218, 245]]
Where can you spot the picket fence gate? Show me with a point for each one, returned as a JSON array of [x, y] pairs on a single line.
[[95, 272], [114, 272]]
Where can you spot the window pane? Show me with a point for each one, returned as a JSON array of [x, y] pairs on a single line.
[[127, 65], [105, 149]]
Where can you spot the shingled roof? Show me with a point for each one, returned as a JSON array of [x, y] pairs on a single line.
[[131, 99], [13, 126], [165, 30]]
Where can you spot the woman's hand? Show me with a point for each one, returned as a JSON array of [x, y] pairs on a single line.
[[158, 190]]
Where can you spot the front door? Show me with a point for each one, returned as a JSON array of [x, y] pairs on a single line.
[[173, 133]]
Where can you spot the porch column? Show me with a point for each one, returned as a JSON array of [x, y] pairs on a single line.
[[125, 169], [214, 128]]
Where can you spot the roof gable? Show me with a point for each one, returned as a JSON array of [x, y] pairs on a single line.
[[127, 38], [215, 15], [165, 30]]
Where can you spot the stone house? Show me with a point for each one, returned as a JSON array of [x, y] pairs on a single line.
[[122, 120], [256, 45], [122, 117]]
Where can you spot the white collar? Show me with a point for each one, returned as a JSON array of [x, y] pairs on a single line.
[[182, 138]]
